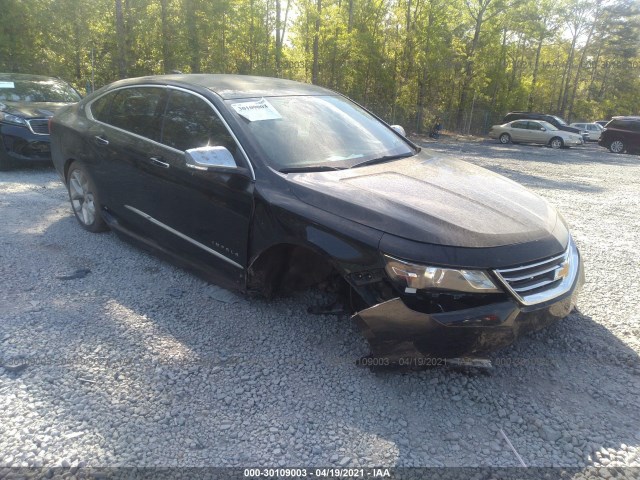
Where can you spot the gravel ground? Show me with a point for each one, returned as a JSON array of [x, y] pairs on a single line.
[[113, 357]]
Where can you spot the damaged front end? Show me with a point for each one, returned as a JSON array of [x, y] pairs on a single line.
[[435, 313]]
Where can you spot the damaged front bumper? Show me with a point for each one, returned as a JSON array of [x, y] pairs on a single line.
[[394, 330]]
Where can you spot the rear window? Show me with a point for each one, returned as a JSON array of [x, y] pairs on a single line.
[[138, 110], [633, 125]]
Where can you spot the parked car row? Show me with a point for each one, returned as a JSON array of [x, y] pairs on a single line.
[[535, 131], [619, 135]]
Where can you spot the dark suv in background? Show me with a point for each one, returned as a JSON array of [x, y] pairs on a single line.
[[26, 104], [557, 122], [621, 134]]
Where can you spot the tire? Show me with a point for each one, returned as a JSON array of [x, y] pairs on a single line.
[[556, 142], [84, 198], [617, 146], [504, 138]]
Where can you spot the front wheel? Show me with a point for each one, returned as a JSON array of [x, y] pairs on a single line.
[[556, 142], [84, 199], [617, 146], [504, 138]]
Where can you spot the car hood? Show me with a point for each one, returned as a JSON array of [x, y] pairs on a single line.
[[431, 199], [567, 128], [31, 109]]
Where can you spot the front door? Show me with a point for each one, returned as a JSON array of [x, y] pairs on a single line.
[[202, 215], [536, 133]]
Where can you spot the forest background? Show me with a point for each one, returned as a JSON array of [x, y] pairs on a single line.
[[467, 62]]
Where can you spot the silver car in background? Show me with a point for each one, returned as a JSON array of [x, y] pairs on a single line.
[[593, 129], [534, 131]]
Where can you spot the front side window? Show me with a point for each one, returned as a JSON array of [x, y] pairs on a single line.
[[190, 122], [534, 126], [138, 110], [315, 131]]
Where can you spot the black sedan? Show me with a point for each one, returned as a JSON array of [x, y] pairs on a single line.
[[266, 185], [27, 102]]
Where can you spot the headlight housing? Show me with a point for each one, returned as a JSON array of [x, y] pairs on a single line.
[[423, 277], [12, 119]]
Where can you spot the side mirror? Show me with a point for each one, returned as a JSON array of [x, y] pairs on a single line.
[[399, 129], [543, 129], [204, 158]]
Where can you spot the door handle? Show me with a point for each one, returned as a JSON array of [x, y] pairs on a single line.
[[158, 163], [100, 140]]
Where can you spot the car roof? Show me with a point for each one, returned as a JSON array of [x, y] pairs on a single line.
[[25, 76], [627, 117], [230, 86]]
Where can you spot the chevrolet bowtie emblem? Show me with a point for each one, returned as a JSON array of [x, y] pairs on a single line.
[[562, 271]]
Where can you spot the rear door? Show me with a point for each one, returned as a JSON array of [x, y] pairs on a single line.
[[519, 131], [634, 135], [124, 138]]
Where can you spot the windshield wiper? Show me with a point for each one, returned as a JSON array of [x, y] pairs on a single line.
[[310, 168], [382, 159]]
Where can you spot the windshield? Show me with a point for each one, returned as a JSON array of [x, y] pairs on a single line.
[[45, 90], [316, 132], [559, 120]]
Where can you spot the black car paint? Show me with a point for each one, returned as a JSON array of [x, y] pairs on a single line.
[[287, 228], [625, 129], [17, 142]]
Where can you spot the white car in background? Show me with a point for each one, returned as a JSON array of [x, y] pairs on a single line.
[[535, 131], [593, 129]]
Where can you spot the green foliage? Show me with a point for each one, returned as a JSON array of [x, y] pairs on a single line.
[[465, 61]]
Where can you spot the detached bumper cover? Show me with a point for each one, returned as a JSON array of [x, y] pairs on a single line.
[[393, 330]]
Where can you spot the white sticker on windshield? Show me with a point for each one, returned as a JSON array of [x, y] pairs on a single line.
[[256, 111], [7, 85]]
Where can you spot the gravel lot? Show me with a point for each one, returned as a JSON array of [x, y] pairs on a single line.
[[113, 357]]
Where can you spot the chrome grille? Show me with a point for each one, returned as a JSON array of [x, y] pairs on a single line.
[[39, 126], [544, 280]]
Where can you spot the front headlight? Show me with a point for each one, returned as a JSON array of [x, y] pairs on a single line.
[[423, 277], [13, 119]]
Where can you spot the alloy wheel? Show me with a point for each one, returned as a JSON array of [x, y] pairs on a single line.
[[617, 146], [82, 198]]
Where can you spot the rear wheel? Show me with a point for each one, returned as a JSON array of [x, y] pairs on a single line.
[[617, 146], [556, 142], [84, 199], [505, 138]]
